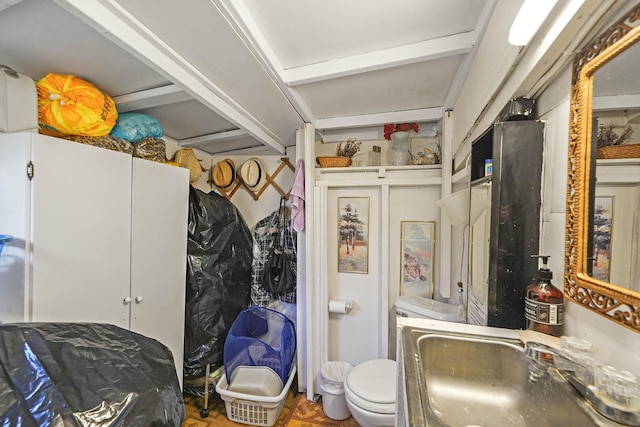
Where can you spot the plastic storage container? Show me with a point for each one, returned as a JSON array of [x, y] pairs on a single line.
[[334, 403], [260, 337], [256, 381], [18, 102]]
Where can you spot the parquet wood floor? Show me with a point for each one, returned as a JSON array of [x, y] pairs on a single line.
[[297, 412]]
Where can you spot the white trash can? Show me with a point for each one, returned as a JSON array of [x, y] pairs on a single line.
[[334, 403]]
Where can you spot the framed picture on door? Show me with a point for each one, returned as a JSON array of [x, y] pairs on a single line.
[[602, 227], [417, 248], [353, 234]]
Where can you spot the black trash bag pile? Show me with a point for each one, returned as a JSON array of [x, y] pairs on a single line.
[[219, 257], [81, 374]]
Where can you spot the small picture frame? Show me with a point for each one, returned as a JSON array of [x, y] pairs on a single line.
[[417, 250], [602, 228], [353, 234]]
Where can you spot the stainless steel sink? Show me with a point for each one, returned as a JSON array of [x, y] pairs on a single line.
[[459, 379]]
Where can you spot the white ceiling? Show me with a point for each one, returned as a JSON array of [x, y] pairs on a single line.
[[243, 75]]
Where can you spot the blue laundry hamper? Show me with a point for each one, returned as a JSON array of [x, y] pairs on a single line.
[[261, 337]]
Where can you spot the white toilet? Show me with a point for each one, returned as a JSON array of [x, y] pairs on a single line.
[[370, 391], [370, 387]]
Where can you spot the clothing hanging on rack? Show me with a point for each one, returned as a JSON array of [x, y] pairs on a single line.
[[278, 276], [264, 237], [218, 275]]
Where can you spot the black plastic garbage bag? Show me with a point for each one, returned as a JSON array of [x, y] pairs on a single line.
[[219, 257], [82, 374]]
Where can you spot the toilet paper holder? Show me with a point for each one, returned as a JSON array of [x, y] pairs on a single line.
[[340, 306]]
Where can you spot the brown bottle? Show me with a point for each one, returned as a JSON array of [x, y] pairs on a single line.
[[544, 303]]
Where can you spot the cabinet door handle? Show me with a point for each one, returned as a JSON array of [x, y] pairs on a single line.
[[126, 300], [139, 299]]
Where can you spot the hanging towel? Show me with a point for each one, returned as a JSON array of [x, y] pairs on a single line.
[[297, 198]]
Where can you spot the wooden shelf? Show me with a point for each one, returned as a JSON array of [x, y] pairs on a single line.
[[379, 175]]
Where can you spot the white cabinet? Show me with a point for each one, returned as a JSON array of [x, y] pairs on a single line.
[[99, 237]]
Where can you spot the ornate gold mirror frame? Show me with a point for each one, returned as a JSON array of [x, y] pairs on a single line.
[[617, 304]]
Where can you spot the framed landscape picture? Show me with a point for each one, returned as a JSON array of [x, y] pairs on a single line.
[[417, 243], [602, 227], [353, 234]]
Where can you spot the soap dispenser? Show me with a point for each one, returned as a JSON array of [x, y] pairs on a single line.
[[544, 303]]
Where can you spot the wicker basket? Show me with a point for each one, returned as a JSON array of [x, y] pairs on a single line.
[[619, 151], [333, 162]]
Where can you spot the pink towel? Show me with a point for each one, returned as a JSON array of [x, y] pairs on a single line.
[[297, 198]]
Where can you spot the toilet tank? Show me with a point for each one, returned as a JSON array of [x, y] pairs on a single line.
[[422, 308], [426, 308]]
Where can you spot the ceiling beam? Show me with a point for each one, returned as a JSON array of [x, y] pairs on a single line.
[[241, 20], [428, 50], [113, 21], [156, 97], [616, 102], [366, 120], [213, 137], [258, 149]]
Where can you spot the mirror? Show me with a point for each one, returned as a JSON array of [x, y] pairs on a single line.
[[615, 194], [601, 265]]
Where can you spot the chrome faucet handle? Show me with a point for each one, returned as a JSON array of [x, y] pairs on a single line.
[[602, 386]]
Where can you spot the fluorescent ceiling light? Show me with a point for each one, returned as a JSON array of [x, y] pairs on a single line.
[[529, 19]]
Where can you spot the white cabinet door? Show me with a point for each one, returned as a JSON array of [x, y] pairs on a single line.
[[159, 254], [14, 211], [80, 228]]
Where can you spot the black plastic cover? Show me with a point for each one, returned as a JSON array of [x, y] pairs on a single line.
[[85, 374], [219, 257]]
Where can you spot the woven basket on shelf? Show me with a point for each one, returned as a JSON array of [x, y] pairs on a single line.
[[333, 162], [619, 151]]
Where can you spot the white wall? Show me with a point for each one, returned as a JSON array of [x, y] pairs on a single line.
[[252, 210], [205, 161], [617, 345], [255, 210]]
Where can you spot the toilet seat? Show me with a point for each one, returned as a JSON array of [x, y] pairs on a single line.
[[372, 386]]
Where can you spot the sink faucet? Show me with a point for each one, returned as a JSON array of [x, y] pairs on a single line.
[[547, 356], [615, 394]]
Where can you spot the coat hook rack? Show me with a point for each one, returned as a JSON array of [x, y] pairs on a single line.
[[270, 178]]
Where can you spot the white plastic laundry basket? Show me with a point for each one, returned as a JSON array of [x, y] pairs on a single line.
[[251, 409]]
